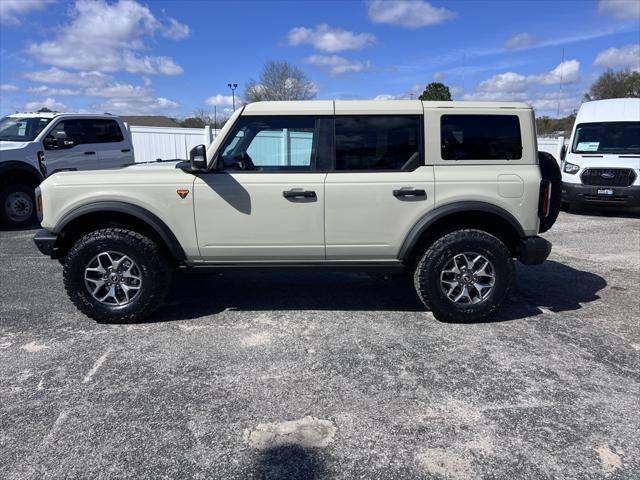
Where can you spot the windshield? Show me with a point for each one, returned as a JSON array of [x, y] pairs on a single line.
[[607, 137], [15, 129]]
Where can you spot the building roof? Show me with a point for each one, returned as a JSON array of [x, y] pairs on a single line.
[[149, 121]]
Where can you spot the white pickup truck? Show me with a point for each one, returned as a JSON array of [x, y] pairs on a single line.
[[35, 145]]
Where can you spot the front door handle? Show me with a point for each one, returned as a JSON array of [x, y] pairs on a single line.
[[409, 192], [299, 194], [89, 153]]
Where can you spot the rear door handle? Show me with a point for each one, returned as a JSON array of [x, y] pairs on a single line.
[[89, 153], [125, 150], [409, 192], [299, 194]]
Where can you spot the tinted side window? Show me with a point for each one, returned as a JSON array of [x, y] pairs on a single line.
[[106, 131], [480, 137], [76, 131], [89, 131], [272, 144], [377, 143]]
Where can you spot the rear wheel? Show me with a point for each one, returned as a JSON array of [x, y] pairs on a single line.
[[116, 275], [464, 276], [18, 206]]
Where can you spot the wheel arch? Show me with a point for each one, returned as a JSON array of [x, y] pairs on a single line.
[[17, 172], [119, 214], [470, 214]]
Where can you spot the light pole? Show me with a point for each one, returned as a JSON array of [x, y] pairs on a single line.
[[233, 87]]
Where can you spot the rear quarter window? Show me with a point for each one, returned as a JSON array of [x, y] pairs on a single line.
[[480, 137]]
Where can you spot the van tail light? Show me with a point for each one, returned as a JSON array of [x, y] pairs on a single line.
[[544, 204]]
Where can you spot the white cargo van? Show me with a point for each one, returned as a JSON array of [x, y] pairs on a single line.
[[601, 166]]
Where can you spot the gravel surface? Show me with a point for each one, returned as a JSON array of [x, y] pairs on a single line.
[[327, 375]]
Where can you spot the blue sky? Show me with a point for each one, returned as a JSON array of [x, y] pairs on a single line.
[[176, 57]]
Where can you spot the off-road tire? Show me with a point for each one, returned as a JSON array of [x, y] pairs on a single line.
[[5, 220], [148, 256], [429, 267]]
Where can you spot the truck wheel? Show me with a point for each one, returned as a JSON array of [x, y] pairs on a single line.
[[464, 276], [115, 275], [18, 206]]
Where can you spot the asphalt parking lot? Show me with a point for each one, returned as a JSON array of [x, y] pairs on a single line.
[[326, 375]]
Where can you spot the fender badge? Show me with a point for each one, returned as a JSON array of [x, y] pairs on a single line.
[[183, 192]]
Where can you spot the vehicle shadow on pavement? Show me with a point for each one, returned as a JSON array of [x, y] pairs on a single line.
[[551, 286], [195, 296], [605, 212], [289, 462]]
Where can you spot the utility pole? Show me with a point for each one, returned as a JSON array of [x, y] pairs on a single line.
[[233, 87], [561, 68]]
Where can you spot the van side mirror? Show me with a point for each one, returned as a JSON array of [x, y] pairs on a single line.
[[563, 152], [198, 157]]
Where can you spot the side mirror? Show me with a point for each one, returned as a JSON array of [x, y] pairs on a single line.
[[49, 143], [563, 152], [198, 157]]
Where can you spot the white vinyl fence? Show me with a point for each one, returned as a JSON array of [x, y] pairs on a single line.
[[552, 145], [151, 143]]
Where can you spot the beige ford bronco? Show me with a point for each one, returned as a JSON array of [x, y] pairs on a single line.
[[449, 192]]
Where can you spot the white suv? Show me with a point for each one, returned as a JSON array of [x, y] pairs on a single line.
[[34, 145], [449, 192]]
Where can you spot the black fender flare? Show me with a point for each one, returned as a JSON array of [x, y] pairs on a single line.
[[15, 165], [445, 210], [152, 220]]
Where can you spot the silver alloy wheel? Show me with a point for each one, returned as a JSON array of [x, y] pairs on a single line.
[[113, 278], [467, 278], [18, 206]]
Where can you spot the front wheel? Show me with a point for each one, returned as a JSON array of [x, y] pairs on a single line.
[[116, 275], [18, 206], [464, 276]]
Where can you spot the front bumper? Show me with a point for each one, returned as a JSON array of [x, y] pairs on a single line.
[[46, 242], [534, 250], [575, 193]]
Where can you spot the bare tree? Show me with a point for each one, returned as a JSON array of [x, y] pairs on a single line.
[[280, 81], [202, 117]]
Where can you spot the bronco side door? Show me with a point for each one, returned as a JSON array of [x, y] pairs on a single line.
[[265, 202]]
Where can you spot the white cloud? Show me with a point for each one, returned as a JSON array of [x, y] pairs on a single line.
[[58, 76], [620, 9], [496, 96], [439, 76], [6, 87], [220, 100], [107, 37], [407, 13], [337, 65], [555, 103], [385, 96], [508, 82], [12, 10], [628, 56], [565, 72], [46, 91], [176, 30], [520, 40], [327, 39], [118, 91], [50, 103], [511, 86], [138, 106]]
